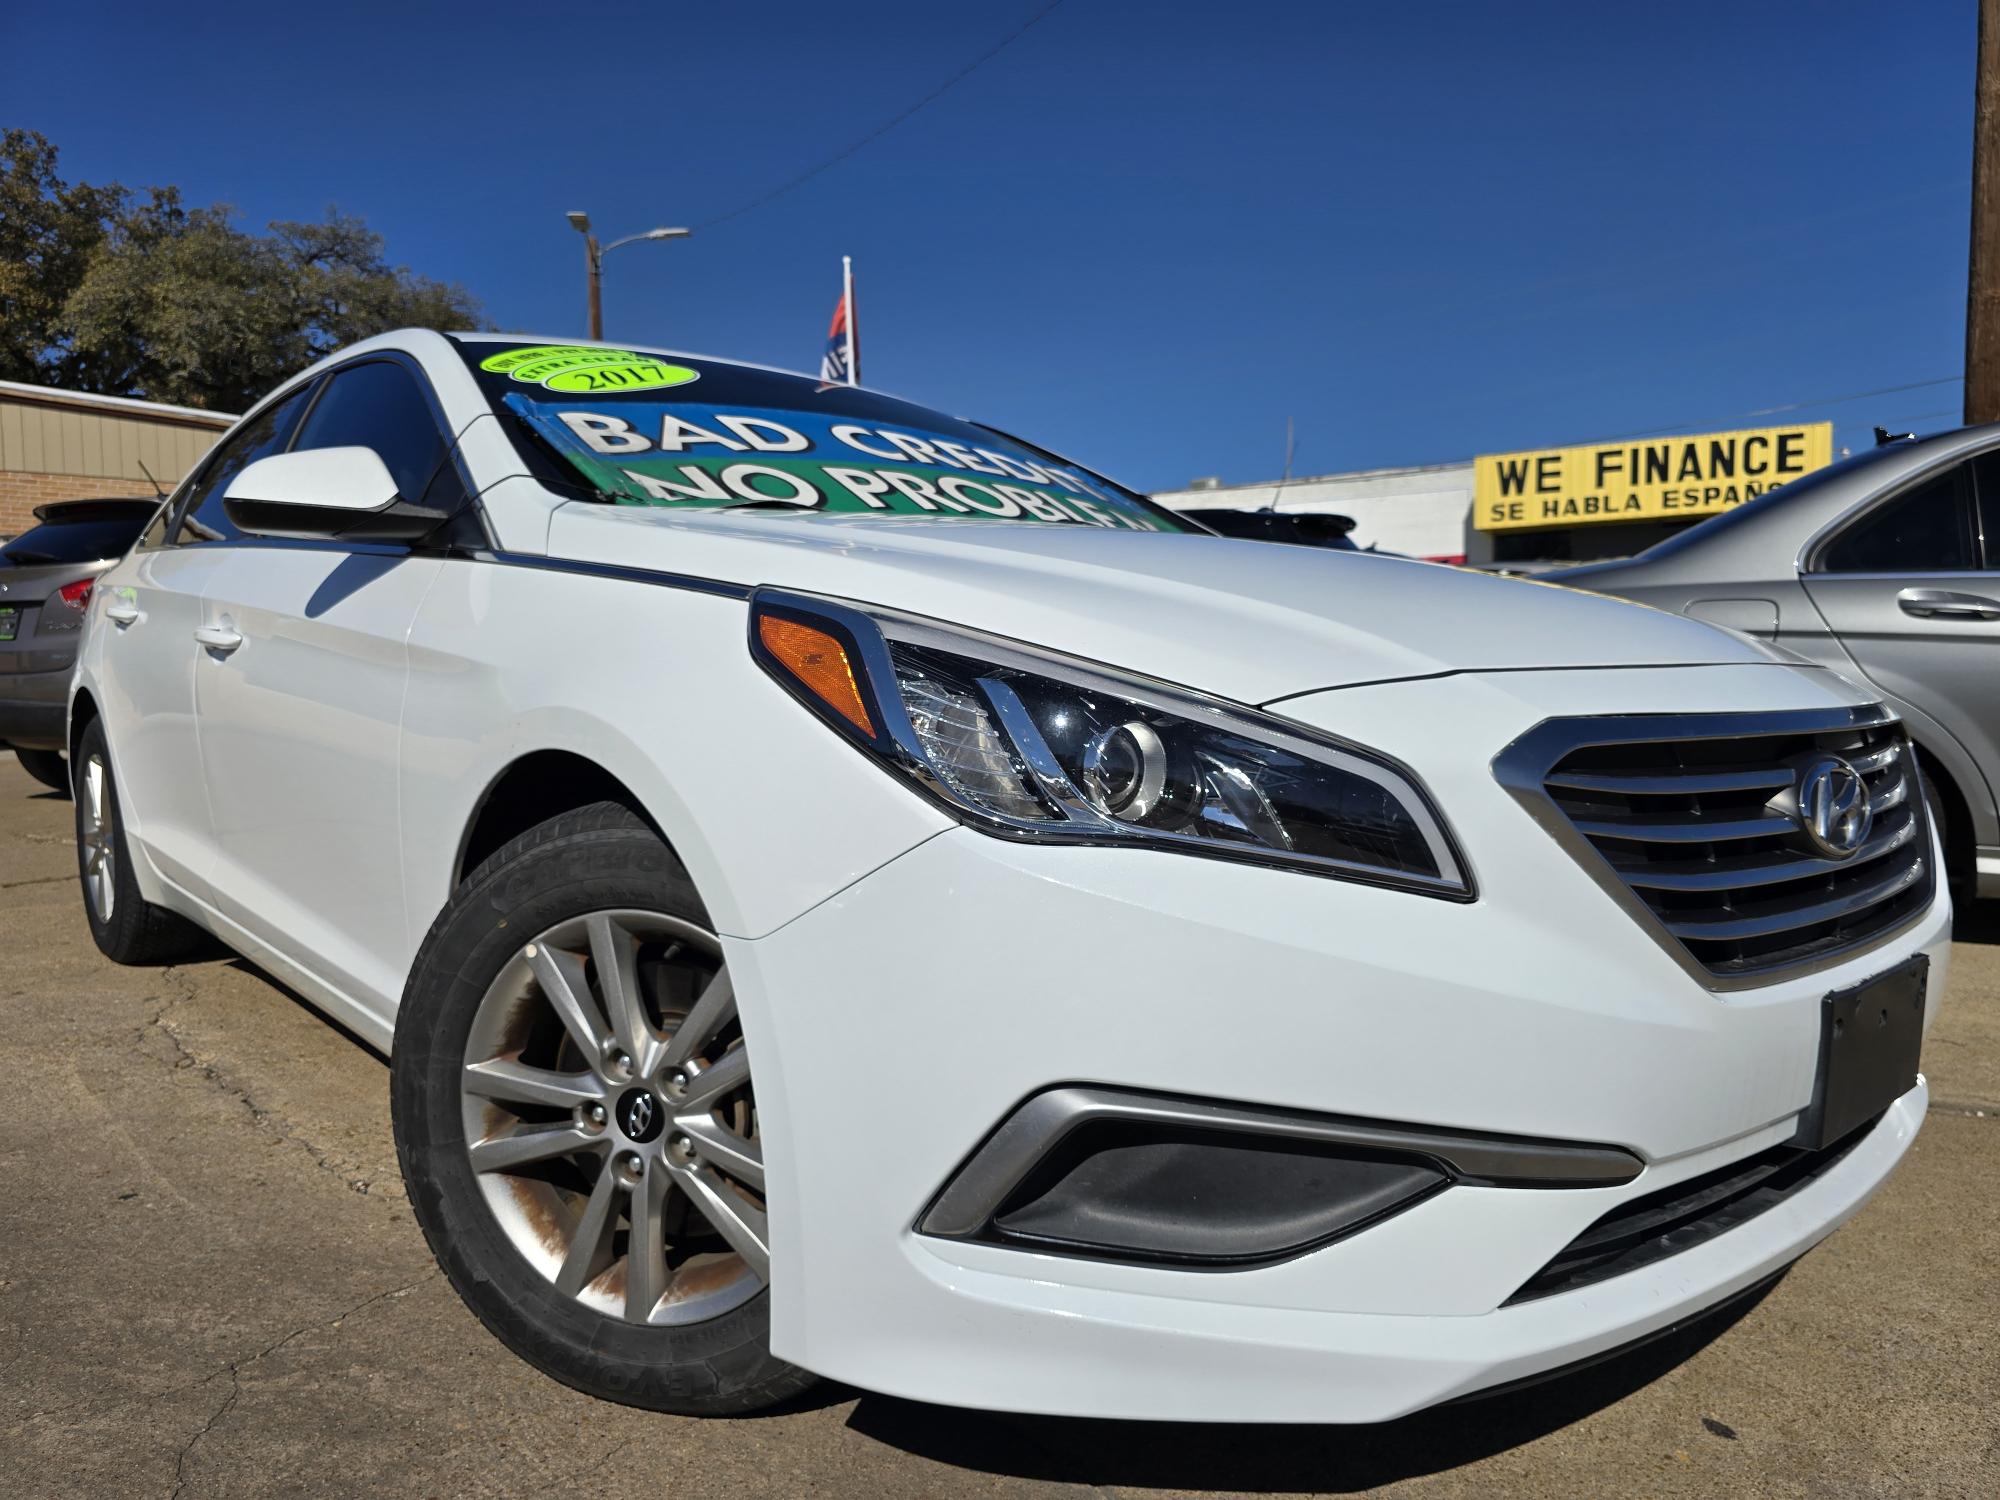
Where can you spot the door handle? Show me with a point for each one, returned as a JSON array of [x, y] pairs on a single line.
[[1944, 604], [123, 614], [218, 637]]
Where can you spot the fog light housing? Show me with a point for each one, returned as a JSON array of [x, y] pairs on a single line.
[[1124, 1191], [1198, 1183]]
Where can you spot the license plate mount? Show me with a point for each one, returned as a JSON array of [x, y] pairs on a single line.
[[1870, 1038]]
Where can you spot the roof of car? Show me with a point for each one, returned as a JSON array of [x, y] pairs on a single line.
[[1767, 537]]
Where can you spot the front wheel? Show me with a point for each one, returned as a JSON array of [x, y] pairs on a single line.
[[577, 1124], [126, 927]]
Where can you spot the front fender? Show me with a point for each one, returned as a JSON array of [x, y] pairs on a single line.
[[770, 811]]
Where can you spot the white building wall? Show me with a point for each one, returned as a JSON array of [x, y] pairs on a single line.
[[1420, 512]]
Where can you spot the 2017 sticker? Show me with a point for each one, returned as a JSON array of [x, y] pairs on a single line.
[[576, 368]]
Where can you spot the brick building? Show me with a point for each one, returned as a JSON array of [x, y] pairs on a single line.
[[57, 445]]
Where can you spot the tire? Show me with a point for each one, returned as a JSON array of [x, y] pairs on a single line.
[[1958, 867], [46, 766], [127, 928], [542, 1250]]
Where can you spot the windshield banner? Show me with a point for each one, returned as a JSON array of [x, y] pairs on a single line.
[[684, 454]]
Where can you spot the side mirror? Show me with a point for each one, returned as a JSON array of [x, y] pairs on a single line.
[[326, 494]]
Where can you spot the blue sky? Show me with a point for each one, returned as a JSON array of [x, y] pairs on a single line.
[[1148, 231]]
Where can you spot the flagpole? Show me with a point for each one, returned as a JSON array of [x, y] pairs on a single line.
[[847, 293]]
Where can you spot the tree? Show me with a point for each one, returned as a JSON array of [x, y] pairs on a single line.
[[177, 304], [48, 232]]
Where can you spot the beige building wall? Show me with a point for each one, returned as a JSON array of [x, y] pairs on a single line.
[[58, 445]]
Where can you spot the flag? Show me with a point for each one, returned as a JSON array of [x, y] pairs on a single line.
[[841, 364]]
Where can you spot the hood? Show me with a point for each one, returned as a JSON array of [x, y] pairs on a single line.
[[1247, 620]]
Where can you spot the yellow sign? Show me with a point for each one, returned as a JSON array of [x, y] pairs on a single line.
[[1646, 479]]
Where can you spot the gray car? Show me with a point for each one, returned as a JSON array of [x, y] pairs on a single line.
[[46, 575], [1886, 567]]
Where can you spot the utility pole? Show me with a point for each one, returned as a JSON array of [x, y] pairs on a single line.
[[593, 260], [1982, 292]]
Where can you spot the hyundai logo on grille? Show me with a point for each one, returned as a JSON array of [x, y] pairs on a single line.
[[1833, 806]]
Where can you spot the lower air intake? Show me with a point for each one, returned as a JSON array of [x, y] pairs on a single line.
[[1651, 1228]]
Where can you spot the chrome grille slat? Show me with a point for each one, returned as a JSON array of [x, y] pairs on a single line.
[[1875, 760], [1791, 918], [1884, 798], [1752, 874], [1694, 829], [1690, 823], [1688, 783]]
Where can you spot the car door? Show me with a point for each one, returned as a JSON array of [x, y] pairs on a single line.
[[146, 678], [1912, 589], [300, 697]]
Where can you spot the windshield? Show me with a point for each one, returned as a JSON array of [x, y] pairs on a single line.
[[689, 434], [72, 542], [1785, 493]]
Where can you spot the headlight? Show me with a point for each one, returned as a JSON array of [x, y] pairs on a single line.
[[1031, 745]]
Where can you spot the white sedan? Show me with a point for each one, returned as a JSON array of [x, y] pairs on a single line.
[[848, 892]]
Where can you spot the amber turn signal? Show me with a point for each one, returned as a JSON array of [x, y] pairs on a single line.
[[820, 664]]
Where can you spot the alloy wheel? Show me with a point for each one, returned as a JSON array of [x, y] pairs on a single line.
[[97, 829], [610, 1119]]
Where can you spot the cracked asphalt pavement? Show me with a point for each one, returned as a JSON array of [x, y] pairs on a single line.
[[210, 1284]]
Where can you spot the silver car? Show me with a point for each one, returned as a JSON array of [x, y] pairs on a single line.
[[1885, 567], [46, 574]]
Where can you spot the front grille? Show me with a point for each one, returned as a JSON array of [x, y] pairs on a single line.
[[1678, 1218], [1691, 822]]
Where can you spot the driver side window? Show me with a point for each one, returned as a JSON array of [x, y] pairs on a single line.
[[1926, 529], [201, 517], [379, 405]]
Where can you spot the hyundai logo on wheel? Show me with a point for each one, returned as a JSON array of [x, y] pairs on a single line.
[[639, 1116]]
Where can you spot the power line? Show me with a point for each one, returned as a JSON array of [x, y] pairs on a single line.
[[886, 126], [1772, 411], [1898, 424], [1915, 385]]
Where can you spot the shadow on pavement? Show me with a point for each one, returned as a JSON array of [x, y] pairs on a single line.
[[1976, 922], [278, 986], [1277, 1459]]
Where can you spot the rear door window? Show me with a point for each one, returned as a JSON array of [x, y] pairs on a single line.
[[1925, 529]]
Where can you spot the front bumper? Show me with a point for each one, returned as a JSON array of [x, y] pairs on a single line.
[[900, 1021]]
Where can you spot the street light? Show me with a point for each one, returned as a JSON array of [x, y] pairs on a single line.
[[594, 261]]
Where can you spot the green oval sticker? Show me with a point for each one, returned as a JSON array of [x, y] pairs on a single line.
[[576, 368]]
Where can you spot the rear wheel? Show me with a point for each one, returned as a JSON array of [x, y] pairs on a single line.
[[46, 766], [126, 927], [577, 1123]]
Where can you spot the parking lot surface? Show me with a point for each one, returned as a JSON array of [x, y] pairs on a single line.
[[210, 1284]]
